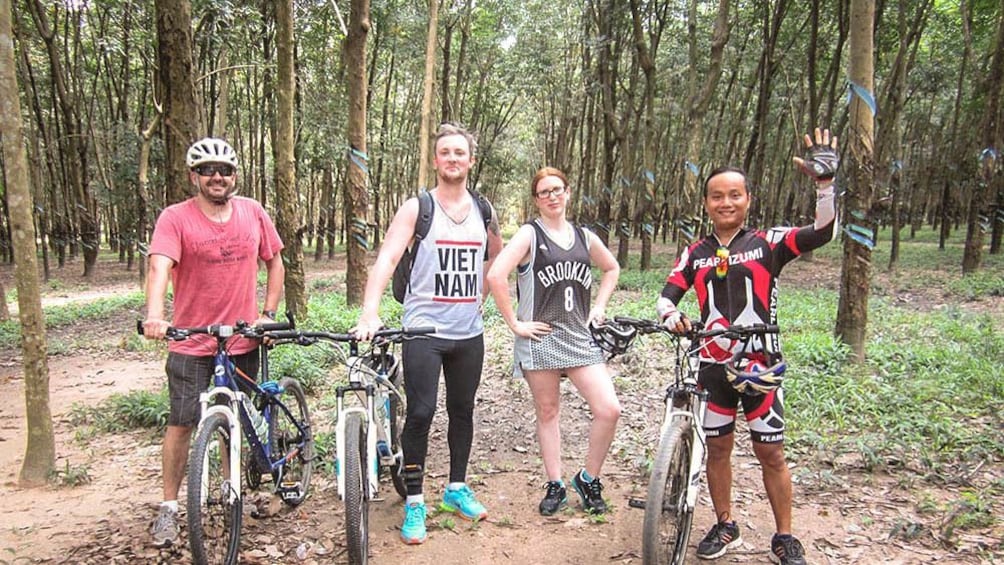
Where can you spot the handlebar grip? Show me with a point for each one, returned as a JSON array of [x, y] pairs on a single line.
[[422, 330], [275, 326], [139, 327]]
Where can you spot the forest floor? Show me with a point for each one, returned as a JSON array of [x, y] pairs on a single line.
[[842, 513]]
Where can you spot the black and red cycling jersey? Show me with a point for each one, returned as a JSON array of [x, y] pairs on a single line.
[[746, 291]]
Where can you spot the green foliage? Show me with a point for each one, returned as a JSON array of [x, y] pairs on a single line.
[[71, 476], [121, 412], [59, 316]]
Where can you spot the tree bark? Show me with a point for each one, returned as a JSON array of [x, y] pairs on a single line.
[[182, 111], [424, 141], [40, 451], [356, 186], [289, 222], [855, 276]]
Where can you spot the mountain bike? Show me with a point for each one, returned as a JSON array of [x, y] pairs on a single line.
[[676, 472], [368, 430], [279, 441]]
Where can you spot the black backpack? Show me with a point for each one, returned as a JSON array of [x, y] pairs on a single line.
[[426, 208]]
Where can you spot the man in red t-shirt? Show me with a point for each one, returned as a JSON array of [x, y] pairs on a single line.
[[208, 247]]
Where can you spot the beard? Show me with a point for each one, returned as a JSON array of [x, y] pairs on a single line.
[[215, 198]]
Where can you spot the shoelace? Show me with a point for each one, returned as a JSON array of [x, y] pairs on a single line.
[[792, 548], [553, 489], [594, 489], [414, 515]]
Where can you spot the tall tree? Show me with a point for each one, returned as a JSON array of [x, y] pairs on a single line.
[[425, 126], [289, 223], [859, 167], [356, 186], [182, 112], [992, 140], [40, 452]]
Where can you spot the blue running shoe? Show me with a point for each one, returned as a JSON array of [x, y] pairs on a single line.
[[413, 528], [462, 502]]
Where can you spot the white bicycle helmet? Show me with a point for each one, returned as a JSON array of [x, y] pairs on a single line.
[[211, 150]]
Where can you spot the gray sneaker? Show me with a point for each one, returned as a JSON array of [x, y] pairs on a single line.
[[165, 528]]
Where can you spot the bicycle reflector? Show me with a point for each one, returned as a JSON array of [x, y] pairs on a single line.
[[755, 377]]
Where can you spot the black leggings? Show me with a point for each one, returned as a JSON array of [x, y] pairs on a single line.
[[461, 362]]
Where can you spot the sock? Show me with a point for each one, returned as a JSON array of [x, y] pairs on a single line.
[[782, 537], [414, 499], [586, 476], [455, 486], [558, 480], [172, 504]]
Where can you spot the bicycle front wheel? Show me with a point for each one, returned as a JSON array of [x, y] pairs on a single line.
[[214, 509], [290, 443], [356, 490], [396, 427], [666, 529]]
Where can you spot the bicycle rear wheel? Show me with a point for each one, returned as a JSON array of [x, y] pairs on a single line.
[[356, 490], [289, 443], [666, 528], [214, 513]]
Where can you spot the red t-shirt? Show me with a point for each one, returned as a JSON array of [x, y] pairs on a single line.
[[215, 274]]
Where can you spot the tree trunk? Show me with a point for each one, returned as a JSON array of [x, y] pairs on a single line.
[[289, 223], [855, 276], [40, 451], [182, 111], [356, 189], [992, 140], [427, 88]]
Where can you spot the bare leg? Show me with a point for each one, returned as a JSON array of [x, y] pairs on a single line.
[[777, 482], [544, 385], [174, 458], [720, 475], [596, 386]]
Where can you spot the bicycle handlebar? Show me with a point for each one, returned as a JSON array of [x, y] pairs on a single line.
[[222, 331], [697, 330], [393, 335]]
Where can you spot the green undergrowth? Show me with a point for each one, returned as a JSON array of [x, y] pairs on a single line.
[[122, 411], [65, 315]]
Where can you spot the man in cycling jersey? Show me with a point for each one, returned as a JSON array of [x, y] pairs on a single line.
[[734, 273], [208, 248]]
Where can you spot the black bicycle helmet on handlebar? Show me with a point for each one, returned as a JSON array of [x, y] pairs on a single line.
[[612, 337]]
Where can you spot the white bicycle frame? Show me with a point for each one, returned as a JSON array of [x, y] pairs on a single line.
[[695, 414], [230, 411], [360, 373]]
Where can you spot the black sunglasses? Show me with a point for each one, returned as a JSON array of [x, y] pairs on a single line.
[[209, 170]]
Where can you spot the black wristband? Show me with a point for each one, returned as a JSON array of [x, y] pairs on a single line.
[[270, 314]]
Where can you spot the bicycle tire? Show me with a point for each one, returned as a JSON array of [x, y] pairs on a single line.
[[666, 528], [356, 487], [396, 427], [284, 437], [214, 522]]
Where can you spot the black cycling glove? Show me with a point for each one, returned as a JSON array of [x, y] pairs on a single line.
[[820, 162]]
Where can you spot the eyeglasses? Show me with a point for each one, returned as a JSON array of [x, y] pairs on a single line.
[[211, 169], [556, 191], [722, 267]]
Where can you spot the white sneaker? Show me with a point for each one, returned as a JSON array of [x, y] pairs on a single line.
[[165, 528]]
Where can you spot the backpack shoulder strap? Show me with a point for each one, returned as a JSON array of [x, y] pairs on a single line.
[[426, 208], [483, 205]]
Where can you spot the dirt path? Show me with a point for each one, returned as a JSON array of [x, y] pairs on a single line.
[[841, 514]]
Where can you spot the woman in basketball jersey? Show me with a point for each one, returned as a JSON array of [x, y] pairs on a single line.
[[553, 258]]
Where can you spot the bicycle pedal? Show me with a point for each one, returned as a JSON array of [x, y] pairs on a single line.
[[636, 503]]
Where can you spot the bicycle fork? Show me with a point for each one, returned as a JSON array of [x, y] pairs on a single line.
[[234, 449]]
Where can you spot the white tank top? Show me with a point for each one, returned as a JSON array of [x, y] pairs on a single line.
[[448, 275]]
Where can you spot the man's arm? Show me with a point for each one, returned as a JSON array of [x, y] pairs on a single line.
[[494, 247], [275, 272], [157, 276], [396, 240]]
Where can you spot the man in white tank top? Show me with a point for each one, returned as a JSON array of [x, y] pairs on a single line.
[[446, 291]]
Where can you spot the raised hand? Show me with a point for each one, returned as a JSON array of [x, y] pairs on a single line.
[[820, 160]]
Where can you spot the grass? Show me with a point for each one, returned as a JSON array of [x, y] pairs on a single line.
[[121, 412], [59, 316]]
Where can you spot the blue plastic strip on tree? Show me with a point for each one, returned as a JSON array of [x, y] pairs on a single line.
[[865, 95], [862, 235], [649, 176], [693, 168], [988, 154], [359, 158]]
